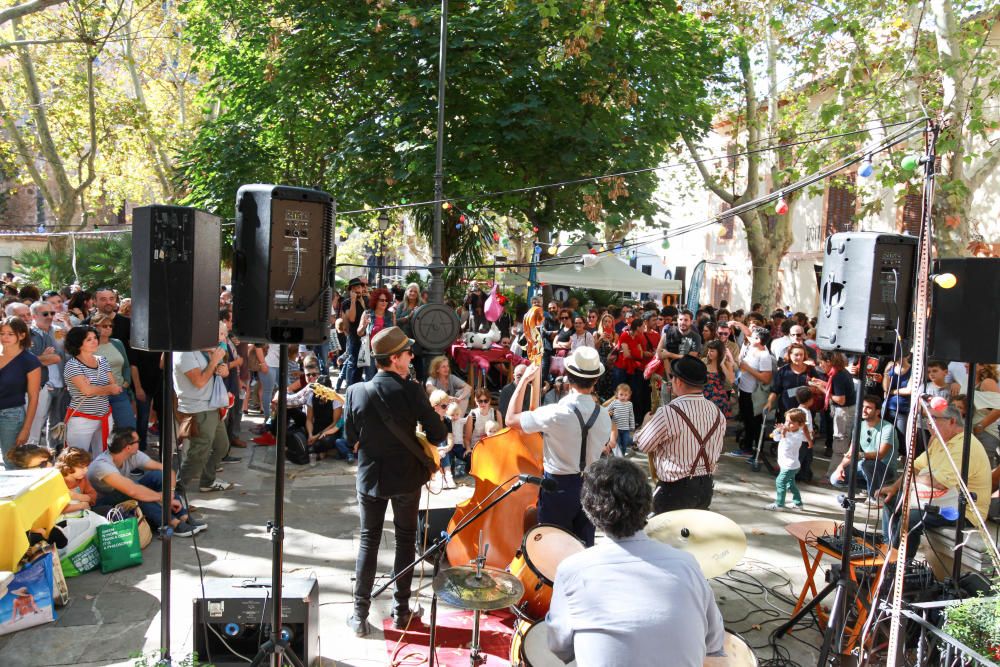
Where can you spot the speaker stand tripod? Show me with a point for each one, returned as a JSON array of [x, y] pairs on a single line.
[[276, 649], [843, 585]]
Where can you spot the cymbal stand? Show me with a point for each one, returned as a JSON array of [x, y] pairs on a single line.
[[437, 551], [475, 658]]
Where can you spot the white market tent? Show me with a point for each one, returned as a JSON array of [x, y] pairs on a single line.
[[605, 272]]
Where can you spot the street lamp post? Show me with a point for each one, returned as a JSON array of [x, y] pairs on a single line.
[[383, 224], [436, 284]]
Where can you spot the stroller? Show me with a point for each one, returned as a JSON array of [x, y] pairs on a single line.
[[759, 457]]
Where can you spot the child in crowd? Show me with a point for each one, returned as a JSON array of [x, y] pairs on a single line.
[[439, 401], [73, 462], [621, 412], [459, 464], [26, 457], [491, 428], [790, 436], [806, 399]]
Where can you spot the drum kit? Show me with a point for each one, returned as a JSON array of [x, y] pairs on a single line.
[[715, 541]]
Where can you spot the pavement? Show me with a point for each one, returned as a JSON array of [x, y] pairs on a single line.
[[115, 619]]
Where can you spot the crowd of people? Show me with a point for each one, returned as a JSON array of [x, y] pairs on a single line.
[[640, 377]]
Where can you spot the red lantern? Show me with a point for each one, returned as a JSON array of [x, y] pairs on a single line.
[[496, 236], [534, 229]]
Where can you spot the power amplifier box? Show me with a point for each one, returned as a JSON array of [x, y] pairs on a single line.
[[234, 617]]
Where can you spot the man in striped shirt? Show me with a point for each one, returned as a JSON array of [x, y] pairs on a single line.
[[684, 440]]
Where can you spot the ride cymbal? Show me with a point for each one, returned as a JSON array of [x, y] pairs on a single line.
[[716, 542]]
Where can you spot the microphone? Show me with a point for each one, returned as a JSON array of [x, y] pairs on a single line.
[[547, 484]]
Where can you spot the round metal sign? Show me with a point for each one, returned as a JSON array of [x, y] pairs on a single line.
[[435, 326]]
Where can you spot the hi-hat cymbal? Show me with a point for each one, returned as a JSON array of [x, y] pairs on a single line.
[[492, 589], [716, 542]]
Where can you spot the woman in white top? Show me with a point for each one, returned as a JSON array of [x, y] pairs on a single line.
[[440, 377], [755, 368], [479, 416], [90, 382], [580, 335]]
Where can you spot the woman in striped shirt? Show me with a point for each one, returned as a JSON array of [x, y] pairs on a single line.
[[90, 382]]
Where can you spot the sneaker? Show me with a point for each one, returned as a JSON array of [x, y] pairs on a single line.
[[199, 526], [401, 619], [218, 485], [358, 625], [231, 459], [219, 469], [184, 529], [797, 506], [266, 440], [774, 507]]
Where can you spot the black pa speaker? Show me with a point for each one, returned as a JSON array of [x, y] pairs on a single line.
[[866, 292], [965, 321], [282, 264], [234, 617], [434, 521], [176, 278]]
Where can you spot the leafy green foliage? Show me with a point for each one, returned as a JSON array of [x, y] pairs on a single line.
[[976, 623], [343, 96], [99, 261]]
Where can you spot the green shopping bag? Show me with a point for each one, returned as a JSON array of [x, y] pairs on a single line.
[[118, 543]]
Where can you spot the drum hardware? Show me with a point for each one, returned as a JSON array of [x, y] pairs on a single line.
[[716, 542], [477, 588], [434, 554]]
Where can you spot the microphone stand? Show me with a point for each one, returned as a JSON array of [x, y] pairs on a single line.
[[437, 551]]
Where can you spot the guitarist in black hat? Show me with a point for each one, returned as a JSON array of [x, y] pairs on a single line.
[[381, 417]]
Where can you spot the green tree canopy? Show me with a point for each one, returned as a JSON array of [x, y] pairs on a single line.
[[343, 96]]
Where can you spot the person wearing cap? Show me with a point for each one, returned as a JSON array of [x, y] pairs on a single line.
[[389, 469], [684, 440], [575, 431], [352, 309]]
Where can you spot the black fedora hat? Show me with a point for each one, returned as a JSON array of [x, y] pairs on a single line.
[[690, 370]]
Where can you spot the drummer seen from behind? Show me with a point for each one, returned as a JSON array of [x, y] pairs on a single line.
[[574, 431], [630, 600]]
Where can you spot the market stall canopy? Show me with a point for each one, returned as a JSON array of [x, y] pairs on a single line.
[[605, 272]]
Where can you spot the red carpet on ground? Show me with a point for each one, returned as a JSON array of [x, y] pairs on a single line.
[[454, 634]]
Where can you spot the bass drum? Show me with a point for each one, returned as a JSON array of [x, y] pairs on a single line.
[[530, 647], [542, 549]]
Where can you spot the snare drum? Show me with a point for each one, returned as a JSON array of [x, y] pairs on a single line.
[[738, 654], [530, 647], [542, 549]]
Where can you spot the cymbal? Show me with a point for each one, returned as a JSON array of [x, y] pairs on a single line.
[[716, 542], [492, 589]]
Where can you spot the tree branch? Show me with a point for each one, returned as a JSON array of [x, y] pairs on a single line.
[[710, 182], [989, 162], [30, 7]]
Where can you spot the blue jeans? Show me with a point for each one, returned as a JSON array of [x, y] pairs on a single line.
[[268, 381], [562, 507], [142, 422], [350, 368], [918, 522], [121, 410], [151, 479], [11, 422], [875, 475], [624, 441]]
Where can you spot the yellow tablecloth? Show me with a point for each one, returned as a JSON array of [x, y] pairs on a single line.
[[37, 507]]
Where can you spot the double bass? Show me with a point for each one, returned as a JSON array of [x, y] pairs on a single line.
[[496, 462]]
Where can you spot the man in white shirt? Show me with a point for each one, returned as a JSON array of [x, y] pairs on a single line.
[[575, 431], [49, 352]]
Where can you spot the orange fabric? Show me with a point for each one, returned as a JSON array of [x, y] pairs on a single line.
[[105, 424]]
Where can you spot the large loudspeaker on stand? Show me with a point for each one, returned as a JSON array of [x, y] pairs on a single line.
[[282, 264], [965, 320], [175, 278], [866, 292]]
